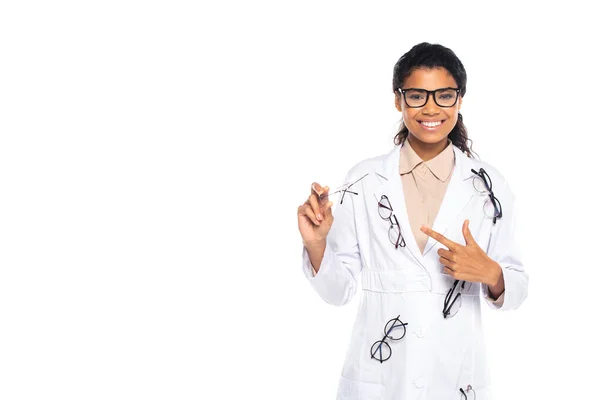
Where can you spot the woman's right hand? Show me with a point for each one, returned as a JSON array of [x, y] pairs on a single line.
[[314, 216]]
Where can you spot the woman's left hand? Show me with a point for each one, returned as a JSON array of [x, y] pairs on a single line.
[[466, 263]]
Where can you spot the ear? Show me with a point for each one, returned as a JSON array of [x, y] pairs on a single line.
[[398, 101], [459, 102]]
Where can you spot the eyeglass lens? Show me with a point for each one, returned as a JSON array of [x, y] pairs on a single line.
[[453, 299], [395, 235], [483, 184], [385, 208]]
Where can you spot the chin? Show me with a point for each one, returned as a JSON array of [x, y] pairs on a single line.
[[430, 138]]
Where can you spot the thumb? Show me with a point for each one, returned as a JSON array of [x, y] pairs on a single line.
[[467, 233]]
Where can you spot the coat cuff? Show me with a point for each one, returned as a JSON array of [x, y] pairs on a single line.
[[515, 288], [495, 304], [309, 270]]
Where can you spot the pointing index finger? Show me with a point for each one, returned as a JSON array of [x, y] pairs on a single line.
[[439, 237]]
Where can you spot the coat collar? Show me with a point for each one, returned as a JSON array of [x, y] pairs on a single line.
[[458, 194]]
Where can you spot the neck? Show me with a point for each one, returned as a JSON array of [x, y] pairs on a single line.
[[427, 151]]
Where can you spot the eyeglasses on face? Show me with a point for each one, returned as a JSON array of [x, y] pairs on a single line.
[[444, 97]]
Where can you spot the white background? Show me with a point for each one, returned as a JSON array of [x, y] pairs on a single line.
[[153, 155]]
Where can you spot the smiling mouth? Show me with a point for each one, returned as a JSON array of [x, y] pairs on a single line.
[[431, 124]]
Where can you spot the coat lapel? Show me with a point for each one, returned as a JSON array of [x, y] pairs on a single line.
[[458, 194], [388, 175]]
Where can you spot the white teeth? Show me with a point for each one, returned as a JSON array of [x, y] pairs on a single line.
[[431, 124]]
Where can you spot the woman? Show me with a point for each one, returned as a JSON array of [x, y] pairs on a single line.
[[429, 229]]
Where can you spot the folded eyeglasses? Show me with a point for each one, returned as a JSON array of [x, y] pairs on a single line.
[[394, 232], [453, 299], [344, 189], [381, 350], [492, 207]]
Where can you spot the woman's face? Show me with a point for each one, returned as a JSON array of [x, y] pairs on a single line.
[[441, 120]]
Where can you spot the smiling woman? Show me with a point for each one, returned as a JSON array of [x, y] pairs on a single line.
[[429, 83], [430, 240]]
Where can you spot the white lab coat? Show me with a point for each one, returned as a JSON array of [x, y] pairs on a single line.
[[437, 356]]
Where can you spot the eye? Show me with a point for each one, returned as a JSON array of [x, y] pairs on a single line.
[[416, 96], [447, 95]]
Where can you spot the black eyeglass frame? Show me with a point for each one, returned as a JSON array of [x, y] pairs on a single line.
[[386, 335], [344, 190], [469, 389], [449, 300], [400, 239], [428, 92], [487, 181]]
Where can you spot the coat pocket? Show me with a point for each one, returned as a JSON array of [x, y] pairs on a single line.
[[479, 393], [355, 390]]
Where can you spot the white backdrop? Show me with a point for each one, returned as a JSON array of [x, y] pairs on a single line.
[[153, 155]]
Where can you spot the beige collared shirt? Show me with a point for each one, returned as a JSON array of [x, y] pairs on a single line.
[[424, 184]]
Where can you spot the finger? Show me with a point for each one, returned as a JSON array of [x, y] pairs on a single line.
[[323, 196], [316, 207], [315, 187], [439, 237], [307, 211], [447, 254], [449, 264], [467, 233], [321, 192], [450, 272], [327, 210], [302, 209]]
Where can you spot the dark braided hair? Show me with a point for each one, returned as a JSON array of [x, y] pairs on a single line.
[[430, 56]]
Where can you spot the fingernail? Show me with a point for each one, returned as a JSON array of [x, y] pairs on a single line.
[[319, 217]]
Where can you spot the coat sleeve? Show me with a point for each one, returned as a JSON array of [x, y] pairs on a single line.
[[336, 280], [505, 250]]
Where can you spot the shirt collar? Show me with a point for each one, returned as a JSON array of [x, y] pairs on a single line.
[[440, 166]]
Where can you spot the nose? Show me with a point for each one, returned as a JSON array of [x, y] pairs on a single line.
[[430, 108]]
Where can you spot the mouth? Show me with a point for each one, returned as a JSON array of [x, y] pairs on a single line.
[[431, 126]]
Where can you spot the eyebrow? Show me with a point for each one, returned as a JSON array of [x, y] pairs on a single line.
[[433, 90]]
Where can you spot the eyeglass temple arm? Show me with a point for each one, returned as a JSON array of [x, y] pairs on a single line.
[[358, 179], [448, 307], [451, 291], [347, 187], [337, 191], [453, 301]]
